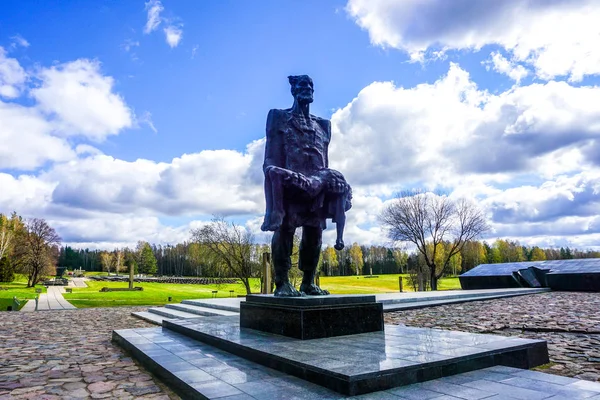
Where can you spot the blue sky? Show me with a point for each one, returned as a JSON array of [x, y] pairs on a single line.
[[98, 106]]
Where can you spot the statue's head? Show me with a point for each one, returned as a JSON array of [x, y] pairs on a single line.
[[302, 88]]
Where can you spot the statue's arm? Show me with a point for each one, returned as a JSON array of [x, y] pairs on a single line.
[[274, 145], [326, 124]]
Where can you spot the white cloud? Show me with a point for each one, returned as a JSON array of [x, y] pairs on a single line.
[[26, 194], [557, 38], [501, 65], [129, 44], [27, 140], [433, 133], [80, 100], [12, 76], [19, 40], [71, 99], [146, 119], [173, 35], [173, 31], [154, 8], [209, 182]]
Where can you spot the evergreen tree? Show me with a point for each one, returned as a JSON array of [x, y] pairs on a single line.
[[7, 272], [147, 263]]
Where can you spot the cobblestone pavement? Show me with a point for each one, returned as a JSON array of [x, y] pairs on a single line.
[[569, 322], [69, 355]]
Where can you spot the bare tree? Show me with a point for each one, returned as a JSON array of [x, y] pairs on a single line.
[[36, 250], [427, 220], [106, 259], [230, 245]]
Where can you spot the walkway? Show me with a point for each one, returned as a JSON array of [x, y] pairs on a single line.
[[78, 282], [51, 300]]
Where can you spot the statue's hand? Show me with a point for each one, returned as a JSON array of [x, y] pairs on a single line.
[[338, 186], [297, 180], [303, 182]]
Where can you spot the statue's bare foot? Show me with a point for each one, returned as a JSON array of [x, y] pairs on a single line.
[[272, 221], [313, 290], [287, 290], [339, 244]]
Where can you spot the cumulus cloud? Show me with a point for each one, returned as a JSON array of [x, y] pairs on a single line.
[[432, 133], [27, 140], [153, 8], [173, 35], [557, 38], [80, 100], [71, 99], [572, 196], [506, 67], [209, 182], [12, 76]]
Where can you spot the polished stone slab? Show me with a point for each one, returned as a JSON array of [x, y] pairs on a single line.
[[308, 301], [210, 373], [312, 317], [367, 362]]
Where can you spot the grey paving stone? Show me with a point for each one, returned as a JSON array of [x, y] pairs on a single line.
[[235, 376], [486, 374], [462, 392], [503, 369], [547, 387], [377, 396], [242, 396], [414, 392], [458, 379], [216, 389], [257, 388], [512, 391], [586, 385], [540, 376], [194, 376]]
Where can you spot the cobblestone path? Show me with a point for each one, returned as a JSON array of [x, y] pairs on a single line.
[[570, 322], [69, 355]]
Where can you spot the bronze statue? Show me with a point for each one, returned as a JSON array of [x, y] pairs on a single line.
[[300, 189]]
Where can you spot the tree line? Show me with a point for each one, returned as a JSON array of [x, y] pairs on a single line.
[[442, 243]]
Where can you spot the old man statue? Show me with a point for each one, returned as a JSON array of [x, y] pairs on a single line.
[[300, 189]]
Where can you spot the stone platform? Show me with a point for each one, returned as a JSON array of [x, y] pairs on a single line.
[[312, 317], [367, 362]]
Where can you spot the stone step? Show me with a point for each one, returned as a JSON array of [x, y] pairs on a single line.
[[367, 362], [197, 310], [196, 370], [171, 314], [413, 305], [218, 304], [455, 295], [149, 317]]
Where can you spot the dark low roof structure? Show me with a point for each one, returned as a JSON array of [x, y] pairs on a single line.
[[576, 274]]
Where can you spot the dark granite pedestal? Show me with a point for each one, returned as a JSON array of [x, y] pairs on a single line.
[[312, 317]]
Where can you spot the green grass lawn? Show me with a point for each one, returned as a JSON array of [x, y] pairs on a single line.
[[381, 284], [17, 288], [96, 273], [158, 293], [153, 293]]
